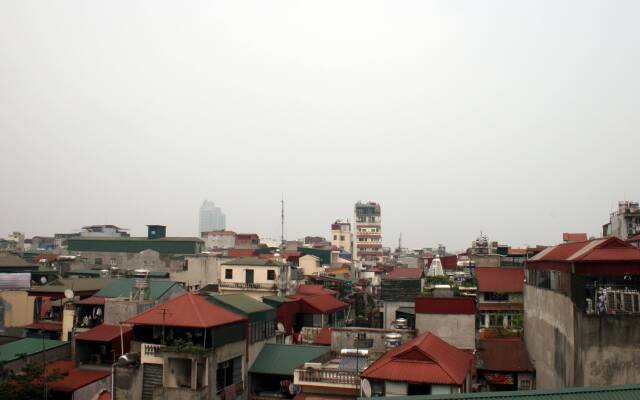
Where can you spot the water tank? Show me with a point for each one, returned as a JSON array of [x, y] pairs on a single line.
[[402, 323], [141, 279], [392, 340]]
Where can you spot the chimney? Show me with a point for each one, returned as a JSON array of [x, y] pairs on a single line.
[[156, 231]]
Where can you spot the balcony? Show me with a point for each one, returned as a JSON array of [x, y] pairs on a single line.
[[327, 377], [248, 286], [150, 353]]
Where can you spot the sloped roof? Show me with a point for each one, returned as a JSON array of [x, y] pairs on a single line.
[[29, 346], [186, 310], [75, 378], [321, 304], [282, 359], [445, 305], [405, 273], [500, 280], [247, 306], [574, 237], [425, 359], [504, 355], [305, 289], [616, 392], [607, 249], [122, 287], [103, 333]]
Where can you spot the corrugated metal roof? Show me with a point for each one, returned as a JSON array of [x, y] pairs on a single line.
[[13, 261], [16, 280], [620, 392], [103, 333], [504, 355], [29, 346], [75, 378], [282, 359], [244, 305], [445, 305], [122, 287], [76, 284], [253, 261]]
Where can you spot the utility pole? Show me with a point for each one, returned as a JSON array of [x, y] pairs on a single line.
[[164, 316]]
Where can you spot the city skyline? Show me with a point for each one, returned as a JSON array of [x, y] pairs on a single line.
[[455, 117]]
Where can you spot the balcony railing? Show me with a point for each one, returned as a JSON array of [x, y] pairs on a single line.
[[248, 286], [150, 353], [328, 377]]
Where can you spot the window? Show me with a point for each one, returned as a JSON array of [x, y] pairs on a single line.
[[335, 237], [341, 237], [271, 274], [229, 372], [493, 296], [113, 262], [98, 261], [228, 274]]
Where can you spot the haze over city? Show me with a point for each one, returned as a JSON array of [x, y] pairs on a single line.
[[515, 118]]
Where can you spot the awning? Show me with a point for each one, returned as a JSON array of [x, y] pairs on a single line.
[[92, 301]]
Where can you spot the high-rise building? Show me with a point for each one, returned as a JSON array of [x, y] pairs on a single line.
[[368, 233], [341, 235], [211, 218], [625, 222]]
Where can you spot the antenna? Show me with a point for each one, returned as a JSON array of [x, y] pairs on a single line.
[[165, 312], [400, 242], [282, 222]]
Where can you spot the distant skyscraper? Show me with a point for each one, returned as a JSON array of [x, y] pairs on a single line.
[[211, 218], [368, 233]]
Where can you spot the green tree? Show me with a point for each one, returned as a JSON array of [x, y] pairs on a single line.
[[28, 383]]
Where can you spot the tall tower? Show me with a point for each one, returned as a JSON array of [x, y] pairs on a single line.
[[368, 233], [211, 218]]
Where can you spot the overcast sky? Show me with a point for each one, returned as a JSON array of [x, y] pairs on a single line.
[[518, 118]]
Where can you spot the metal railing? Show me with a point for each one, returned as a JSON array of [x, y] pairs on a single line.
[[329, 376], [243, 285]]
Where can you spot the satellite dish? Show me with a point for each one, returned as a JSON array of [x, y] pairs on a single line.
[[280, 327], [366, 388], [43, 279], [68, 293]]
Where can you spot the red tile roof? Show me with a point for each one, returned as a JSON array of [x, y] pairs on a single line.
[[517, 251], [425, 359], [405, 273], [609, 249], [103, 333], [500, 280], [75, 378], [187, 310], [321, 304], [445, 305], [241, 252], [505, 355], [314, 289], [324, 337], [574, 237]]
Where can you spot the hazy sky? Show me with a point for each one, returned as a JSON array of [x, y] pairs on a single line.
[[519, 118]]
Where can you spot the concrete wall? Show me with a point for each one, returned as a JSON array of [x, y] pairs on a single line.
[[310, 265], [128, 382], [18, 308], [119, 310], [146, 259], [549, 336], [201, 270], [89, 392], [458, 330], [55, 354], [486, 260], [608, 350]]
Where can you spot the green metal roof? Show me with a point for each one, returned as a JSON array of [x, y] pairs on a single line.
[[282, 359], [27, 346], [277, 299], [122, 287], [166, 245], [244, 305], [97, 272], [76, 284], [323, 254], [620, 392]]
